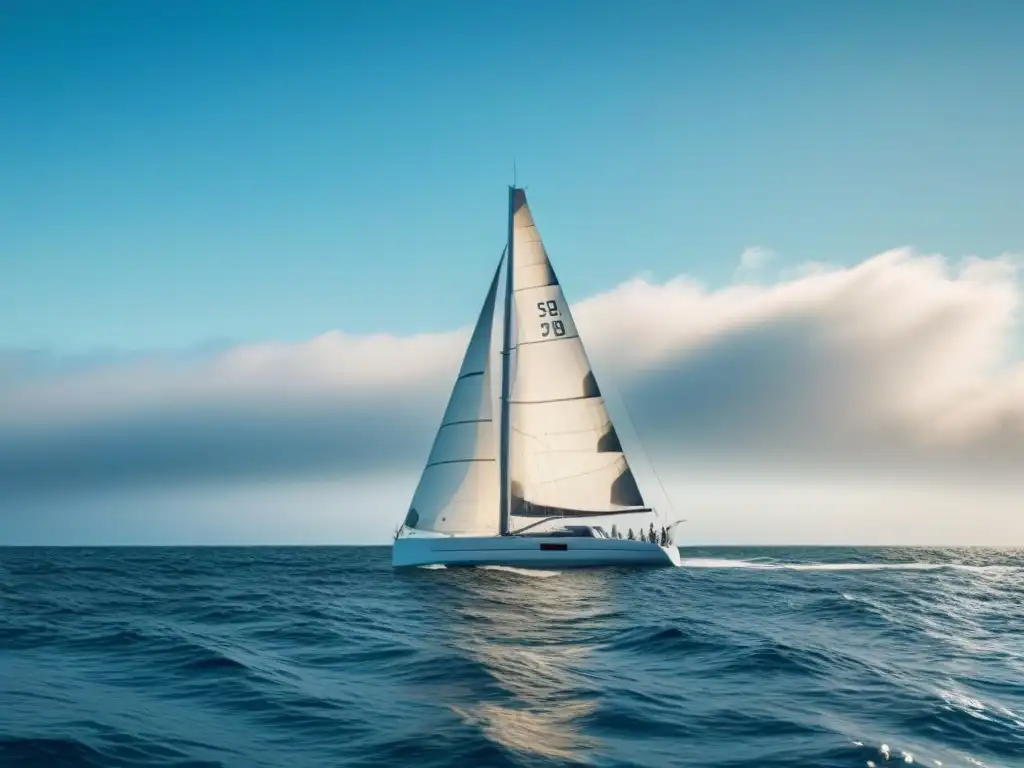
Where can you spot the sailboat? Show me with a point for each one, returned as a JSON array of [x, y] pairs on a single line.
[[515, 498]]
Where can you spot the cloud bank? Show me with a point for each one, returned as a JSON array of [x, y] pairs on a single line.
[[904, 363]]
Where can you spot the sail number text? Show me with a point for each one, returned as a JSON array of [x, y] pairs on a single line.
[[549, 308]]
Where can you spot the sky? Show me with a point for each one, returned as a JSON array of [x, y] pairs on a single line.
[[242, 243]]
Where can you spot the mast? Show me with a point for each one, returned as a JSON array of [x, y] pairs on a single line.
[[506, 361]]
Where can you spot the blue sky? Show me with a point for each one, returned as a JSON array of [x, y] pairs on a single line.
[[176, 173], [208, 208]]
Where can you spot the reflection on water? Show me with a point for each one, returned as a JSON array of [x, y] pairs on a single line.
[[531, 635]]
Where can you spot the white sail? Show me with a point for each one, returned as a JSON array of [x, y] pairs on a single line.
[[565, 457], [458, 490]]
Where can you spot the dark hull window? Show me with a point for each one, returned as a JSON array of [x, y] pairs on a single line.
[[554, 547]]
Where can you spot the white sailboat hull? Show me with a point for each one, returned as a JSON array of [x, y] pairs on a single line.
[[554, 552]]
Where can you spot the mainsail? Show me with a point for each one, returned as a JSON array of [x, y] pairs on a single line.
[[565, 458], [458, 489]]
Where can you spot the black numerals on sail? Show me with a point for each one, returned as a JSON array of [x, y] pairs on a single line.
[[549, 308]]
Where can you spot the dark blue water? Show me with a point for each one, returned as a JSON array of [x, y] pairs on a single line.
[[326, 657]]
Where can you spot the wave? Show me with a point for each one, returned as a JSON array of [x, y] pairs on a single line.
[[257, 658], [712, 562], [534, 573]]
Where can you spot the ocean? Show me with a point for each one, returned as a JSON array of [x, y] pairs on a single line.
[[325, 656]]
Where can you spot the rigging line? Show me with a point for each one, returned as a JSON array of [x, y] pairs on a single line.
[[632, 425]]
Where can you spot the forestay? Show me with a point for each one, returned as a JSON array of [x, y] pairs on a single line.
[[458, 490], [565, 456]]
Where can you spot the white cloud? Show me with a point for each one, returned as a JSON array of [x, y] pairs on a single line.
[[900, 355], [904, 362], [752, 260]]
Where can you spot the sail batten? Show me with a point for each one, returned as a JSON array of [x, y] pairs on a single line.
[[464, 421], [555, 400], [547, 341], [555, 512], [455, 461]]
